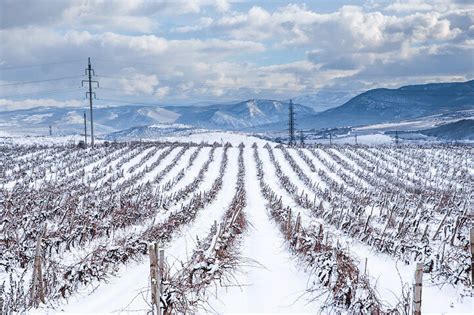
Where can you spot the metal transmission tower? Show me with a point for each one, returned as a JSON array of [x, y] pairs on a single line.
[[301, 138], [291, 125], [85, 130], [90, 72]]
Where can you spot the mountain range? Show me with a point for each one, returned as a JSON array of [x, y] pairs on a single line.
[[386, 105], [378, 106]]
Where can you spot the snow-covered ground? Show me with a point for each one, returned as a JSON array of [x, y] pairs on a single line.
[[271, 278]]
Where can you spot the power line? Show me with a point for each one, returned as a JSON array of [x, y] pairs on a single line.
[[43, 92], [40, 65], [39, 81]]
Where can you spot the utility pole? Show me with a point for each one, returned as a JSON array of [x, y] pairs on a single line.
[[50, 130], [301, 138], [85, 130], [396, 138], [89, 73], [330, 138], [291, 125]]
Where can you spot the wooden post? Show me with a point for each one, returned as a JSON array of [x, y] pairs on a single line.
[[161, 272], [288, 224], [442, 255], [425, 232], [154, 277], [298, 223], [368, 219], [441, 223], [417, 286], [37, 288], [297, 230], [472, 257], [365, 267]]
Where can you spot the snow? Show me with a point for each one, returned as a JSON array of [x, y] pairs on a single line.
[[272, 282]]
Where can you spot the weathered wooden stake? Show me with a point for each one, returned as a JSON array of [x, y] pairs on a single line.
[[442, 254], [161, 271], [425, 232], [472, 257], [365, 267], [288, 224], [368, 219], [441, 224], [456, 226], [298, 223], [417, 286], [154, 278], [37, 288]]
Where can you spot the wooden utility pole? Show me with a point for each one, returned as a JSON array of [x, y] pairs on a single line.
[[417, 286]]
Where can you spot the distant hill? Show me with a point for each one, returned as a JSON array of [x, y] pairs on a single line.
[[388, 105], [378, 106], [239, 116], [151, 132], [67, 121], [324, 99], [459, 130]]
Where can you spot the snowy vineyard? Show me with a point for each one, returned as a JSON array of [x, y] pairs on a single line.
[[249, 226]]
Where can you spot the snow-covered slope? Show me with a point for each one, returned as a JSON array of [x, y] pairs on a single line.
[[248, 114], [324, 99], [389, 105], [67, 121], [151, 132], [459, 130]]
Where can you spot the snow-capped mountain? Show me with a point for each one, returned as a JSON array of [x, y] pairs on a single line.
[[243, 115], [389, 105], [378, 106], [324, 99], [65, 121]]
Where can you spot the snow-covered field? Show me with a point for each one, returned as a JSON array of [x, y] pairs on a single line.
[[247, 226]]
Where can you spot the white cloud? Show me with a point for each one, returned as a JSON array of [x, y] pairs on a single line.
[[408, 6], [162, 91], [139, 84], [150, 49]]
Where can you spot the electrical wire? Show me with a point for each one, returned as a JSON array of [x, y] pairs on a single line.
[[42, 64], [43, 92], [40, 81]]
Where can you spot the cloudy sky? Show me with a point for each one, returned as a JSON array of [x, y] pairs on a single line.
[[203, 51]]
